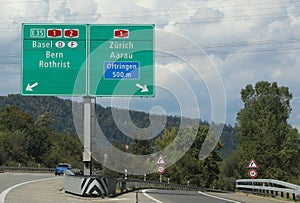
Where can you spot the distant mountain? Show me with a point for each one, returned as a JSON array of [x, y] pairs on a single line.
[[61, 112]]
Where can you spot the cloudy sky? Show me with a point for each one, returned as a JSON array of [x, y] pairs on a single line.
[[228, 43]]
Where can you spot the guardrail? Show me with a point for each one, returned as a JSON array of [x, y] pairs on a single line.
[[269, 187], [140, 184], [26, 169]]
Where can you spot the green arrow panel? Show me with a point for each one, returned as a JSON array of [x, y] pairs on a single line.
[[82, 60], [54, 59], [122, 46]]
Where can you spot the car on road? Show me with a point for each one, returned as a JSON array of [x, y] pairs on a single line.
[[61, 167]]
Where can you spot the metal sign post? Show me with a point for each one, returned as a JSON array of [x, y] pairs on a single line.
[[88, 126]]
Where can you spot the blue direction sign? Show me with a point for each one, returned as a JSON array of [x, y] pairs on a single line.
[[121, 70]]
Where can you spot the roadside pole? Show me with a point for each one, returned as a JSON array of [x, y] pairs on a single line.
[[88, 119]]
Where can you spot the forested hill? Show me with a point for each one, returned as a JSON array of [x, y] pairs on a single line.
[[61, 112]]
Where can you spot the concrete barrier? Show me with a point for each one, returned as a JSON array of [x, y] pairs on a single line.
[[89, 185]]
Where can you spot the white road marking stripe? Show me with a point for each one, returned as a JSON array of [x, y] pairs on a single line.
[[220, 198], [152, 198], [5, 192]]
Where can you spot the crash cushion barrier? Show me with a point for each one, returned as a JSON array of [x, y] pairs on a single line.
[[89, 185]]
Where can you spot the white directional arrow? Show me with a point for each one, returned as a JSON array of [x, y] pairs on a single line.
[[29, 87], [143, 88]]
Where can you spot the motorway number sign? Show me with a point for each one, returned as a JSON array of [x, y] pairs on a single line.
[[53, 58]]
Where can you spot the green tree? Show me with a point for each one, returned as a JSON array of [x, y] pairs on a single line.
[[229, 172], [3, 154], [64, 148], [12, 118], [38, 144], [15, 148], [202, 173], [141, 145], [263, 131], [30, 143]]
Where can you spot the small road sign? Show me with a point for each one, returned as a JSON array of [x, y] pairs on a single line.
[[126, 147], [160, 160], [252, 173], [252, 164], [161, 169]]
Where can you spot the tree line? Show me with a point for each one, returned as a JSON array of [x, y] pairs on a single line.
[[264, 134], [28, 142], [261, 132]]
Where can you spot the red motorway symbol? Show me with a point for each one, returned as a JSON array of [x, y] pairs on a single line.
[[71, 33], [54, 33], [121, 33]]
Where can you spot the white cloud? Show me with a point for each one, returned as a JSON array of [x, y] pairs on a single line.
[[73, 11], [247, 40]]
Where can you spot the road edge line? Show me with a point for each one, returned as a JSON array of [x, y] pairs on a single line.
[[5, 192], [148, 196], [220, 198]]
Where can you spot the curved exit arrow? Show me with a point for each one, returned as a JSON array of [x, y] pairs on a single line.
[[29, 87], [143, 88]]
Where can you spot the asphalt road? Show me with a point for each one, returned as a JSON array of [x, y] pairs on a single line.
[[10, 179], [164, 196], [47, 188], [170, 196]]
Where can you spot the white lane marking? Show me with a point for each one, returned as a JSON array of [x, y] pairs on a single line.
[[220, 198], [5, 192], [152, 198]]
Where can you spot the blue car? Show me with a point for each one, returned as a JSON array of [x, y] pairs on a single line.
[[61, 167]]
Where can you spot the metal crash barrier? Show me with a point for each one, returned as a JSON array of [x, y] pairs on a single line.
[[269, 187], [26, 169], [140, 184], [89, 185]]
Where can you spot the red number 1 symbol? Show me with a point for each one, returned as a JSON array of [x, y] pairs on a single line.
[[54, 33]]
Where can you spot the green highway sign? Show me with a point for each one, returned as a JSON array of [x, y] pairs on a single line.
[[53, 58], [121, 60], [87, 60]]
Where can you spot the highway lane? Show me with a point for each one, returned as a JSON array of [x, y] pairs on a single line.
[[50, 190], [10, 179], [164, 196], [171, 196]]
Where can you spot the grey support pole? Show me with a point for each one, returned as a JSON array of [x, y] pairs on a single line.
[[87, 129]]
